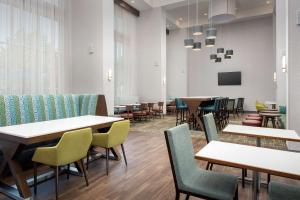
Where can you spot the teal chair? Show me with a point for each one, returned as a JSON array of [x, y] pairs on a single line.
[[188, 177], [211, 134], [280, 191]]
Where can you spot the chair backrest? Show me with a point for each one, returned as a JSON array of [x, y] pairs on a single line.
[[129, 109], [240, 103], [211, 132], [181, 154], [73, 146], [161, 104], [150, 106], [118, 133], [230, 104], [144, 106]]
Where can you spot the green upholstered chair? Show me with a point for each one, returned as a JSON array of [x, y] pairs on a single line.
[[211, 134], [280, 191], [72, 148], [188, 177], [116, 135]]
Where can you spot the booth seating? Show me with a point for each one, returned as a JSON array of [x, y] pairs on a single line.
[[23, 109], [248, 122]]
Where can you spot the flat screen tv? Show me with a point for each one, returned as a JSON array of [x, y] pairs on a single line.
[[229, 78]]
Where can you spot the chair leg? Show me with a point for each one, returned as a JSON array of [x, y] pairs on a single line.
[[84, 173], [243, 177], [207, 165], [35, 177], [68, 172], [87, 160], [187, 197], [107, 153], [123, 150], [236, 196], [56, 181], [177, 197], [269, 178], [211, 166]]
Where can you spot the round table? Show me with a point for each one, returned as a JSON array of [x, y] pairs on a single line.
[[270, 116]]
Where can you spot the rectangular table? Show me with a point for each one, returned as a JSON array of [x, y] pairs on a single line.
[[193, 104], [274, 162], [260, 132], [12, 137]]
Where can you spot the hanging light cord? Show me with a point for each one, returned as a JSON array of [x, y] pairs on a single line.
[[188, 18], [197, 13]]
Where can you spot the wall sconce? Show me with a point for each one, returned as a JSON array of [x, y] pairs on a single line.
[[109, 78], [284, 63], [275, 77]]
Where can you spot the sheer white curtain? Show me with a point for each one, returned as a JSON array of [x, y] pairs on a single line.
[[125, 56], [31, 46]]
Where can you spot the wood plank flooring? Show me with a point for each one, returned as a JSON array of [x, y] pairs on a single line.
[[148, 175]]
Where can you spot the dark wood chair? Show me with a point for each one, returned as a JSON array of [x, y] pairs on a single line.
[[142, 113], [128, 114], [150, 111], [240, 106], [160, 110]]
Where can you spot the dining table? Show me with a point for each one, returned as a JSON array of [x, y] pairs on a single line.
[[13, 138], [193, 103], [258, 159]]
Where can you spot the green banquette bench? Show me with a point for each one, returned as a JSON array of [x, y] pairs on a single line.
[[23, 109]]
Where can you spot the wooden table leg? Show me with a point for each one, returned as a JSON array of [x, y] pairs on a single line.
[[193, 106], [9, 150]]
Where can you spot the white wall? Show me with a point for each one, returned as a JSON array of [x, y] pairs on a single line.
[[176, 64], [151, 43], [252, 42], [293, 66], [92, 47]]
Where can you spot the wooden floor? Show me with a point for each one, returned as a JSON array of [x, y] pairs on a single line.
[[148, 175]]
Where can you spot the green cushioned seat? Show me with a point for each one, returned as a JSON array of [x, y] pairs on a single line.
[[281, 191], [189, 178]]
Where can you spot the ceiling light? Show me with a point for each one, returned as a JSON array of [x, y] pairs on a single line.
[[229, 52], [218, 59], [205, 14], [213, 56], [211, 33], [180, 19], [227, 56], [268, 2], [209, 42], [189, 43], [132, 1], [220, 50], [197, 30], [197, 46]]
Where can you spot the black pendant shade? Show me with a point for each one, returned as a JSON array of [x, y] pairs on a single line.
[[220, 50], [229, 52], [209, 42], [218, 59], [227, 56], [213, 56]]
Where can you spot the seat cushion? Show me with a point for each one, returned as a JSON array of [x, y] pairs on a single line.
[[253, 115], [280, 191], [251, 122], [212, 184], [254, 118]]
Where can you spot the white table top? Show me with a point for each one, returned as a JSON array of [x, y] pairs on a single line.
[[275, 162], [119, 106], [53, 126], [251, 131]]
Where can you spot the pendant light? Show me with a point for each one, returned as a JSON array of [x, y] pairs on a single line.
[[189, 42], [213, 56], [218, 59], [211, 32], [227, 56], [209, 42], [220, 50], [197, 29], [197, 46], [229, 52]]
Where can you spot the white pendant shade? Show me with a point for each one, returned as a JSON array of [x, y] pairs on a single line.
[[222, 11], [211, 33], [189, 43], [197, 30]]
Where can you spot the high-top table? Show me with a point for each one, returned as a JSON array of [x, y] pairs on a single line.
[[193, 104], [13, 137], [257, 159]]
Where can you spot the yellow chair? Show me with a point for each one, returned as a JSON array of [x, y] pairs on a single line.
[[260, 106], [116, 135], [72, 148]]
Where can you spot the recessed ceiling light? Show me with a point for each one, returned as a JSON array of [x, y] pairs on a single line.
[[180, 19], [268, 2], [132, 1], [205, 14]]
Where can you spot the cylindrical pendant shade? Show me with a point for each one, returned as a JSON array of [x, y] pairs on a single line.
[[227, 56], [220, 50], [189, 43], [211, 33], [197, 30], [218, 59], [222, 11], [229, 52], [197, 46], [209, 42], [213, 56]]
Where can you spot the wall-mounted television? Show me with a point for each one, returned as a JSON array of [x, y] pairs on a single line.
[[229, 78]]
